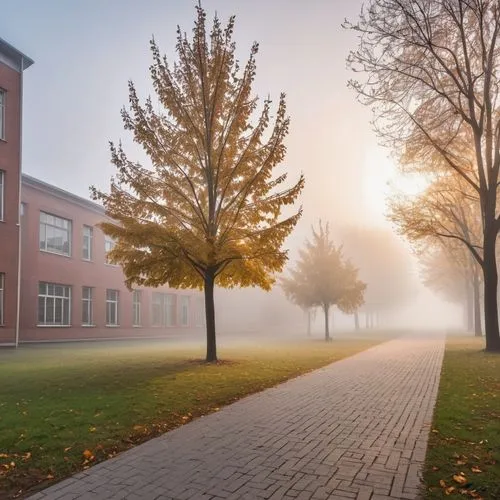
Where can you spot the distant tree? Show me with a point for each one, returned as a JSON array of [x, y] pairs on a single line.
[[432, 77], [447, 215], [323, 278], [449, 271], [208, 209], [382, 260]]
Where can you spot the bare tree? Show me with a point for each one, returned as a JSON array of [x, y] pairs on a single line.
[[433, 65]]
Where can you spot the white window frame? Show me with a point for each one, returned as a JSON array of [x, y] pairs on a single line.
[[61, 299], [2, 194], [136, 307], [2, 299], [87, 234], [45, 224], [88, 305], [3, 98], [112, 303]]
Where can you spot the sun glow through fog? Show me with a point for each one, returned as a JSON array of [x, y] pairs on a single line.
[[382, 179]]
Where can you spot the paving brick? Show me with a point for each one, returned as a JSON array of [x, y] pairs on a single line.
[[356, 429]]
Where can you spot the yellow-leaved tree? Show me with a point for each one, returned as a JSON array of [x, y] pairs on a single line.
[[322, 277], [208, 210]]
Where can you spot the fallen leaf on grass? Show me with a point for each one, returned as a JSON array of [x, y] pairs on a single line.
[[475, 494], [442, 483], [476, 469], [449, 490], [460, 462], [471, 493], [50, 476], [434, 468], [460, 478], [87, 454]]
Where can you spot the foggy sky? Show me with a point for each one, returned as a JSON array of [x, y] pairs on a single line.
[[86, 50]]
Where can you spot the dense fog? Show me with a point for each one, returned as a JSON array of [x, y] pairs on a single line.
[[83, 81]]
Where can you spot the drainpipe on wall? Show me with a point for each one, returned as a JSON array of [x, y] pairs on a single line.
[[18, 308]]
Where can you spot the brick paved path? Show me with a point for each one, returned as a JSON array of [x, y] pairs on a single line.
[[356, 429]]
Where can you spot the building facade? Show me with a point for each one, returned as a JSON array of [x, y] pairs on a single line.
[[68, 289], [12, 65]]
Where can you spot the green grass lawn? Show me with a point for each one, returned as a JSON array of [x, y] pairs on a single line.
[[464, 445], [65, 407]]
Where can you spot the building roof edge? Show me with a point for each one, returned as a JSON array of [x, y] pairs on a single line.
[[35, 183], [11, 51]]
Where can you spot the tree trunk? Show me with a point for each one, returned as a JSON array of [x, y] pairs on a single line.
[[478, 331], [309, 322], [469, 305], [356, 321], [210, 317], [367, 319], [326, 309], [490, 275]]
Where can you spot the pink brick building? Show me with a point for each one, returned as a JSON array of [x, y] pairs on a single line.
[[12, 65], [70, 292]]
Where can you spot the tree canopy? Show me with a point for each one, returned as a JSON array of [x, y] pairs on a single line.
[[208, 208]]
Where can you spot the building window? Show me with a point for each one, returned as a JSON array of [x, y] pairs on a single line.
[[170, 310], [2, 294], [55, 234], [54, 304], [2, 114], [136, 308], [87, 307], [199, 312], [184, 310], [111, 307], [163, 309], [156, 320], [2, 193], [109, 244], [88, 234]]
